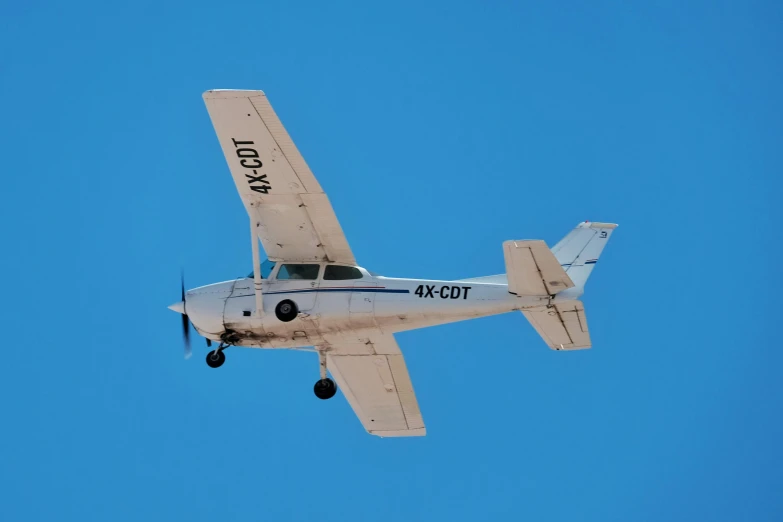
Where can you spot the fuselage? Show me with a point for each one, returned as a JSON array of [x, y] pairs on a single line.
[[226, 311]]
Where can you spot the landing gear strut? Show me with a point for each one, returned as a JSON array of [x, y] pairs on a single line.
[[325, 388], [216, 358]]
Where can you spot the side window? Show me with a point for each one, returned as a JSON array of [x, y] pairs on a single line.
[[308, 272], [266, 269], [340, 273]]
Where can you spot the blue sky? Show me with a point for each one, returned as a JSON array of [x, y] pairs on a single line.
[[438, 130]]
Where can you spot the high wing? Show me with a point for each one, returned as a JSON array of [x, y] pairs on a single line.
[[292, 216], [373, 377]]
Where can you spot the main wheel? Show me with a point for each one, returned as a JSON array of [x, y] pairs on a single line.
[[325, 389], [286, 310], [216, 360]]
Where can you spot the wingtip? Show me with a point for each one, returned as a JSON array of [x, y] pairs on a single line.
[[415, 432], [231, 93]]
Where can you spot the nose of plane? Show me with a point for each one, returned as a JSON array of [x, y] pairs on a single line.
[[204, 307], [178, 307]]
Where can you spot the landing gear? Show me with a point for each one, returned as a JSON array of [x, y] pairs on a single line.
[[216, 358], [286, 310], [325, 388]]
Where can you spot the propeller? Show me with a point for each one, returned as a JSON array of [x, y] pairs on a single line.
[[185, 320], [181, 308]]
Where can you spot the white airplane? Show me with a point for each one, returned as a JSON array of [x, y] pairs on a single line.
[[311, 294]]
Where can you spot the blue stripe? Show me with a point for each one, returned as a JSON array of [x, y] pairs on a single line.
[[310, 290], [374, 290], [590, 262]]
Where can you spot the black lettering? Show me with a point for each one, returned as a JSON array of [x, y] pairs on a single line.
[[257, 179], [455, 295], [247, 153], [238, 143], [257, 166], [442, 288], [429, 291], [419, 291], [466, 288], [262, 189]]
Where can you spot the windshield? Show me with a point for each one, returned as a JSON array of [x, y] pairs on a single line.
[[266, 268]]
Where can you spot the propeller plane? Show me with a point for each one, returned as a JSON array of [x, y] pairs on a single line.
[[312, 295]]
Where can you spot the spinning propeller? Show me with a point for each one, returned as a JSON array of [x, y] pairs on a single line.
[[180, 307], [185, 320]]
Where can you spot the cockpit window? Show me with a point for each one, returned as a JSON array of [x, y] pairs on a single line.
[[266, 269], [340, 273], [308, 272]]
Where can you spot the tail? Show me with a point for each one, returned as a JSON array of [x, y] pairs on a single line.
[[561, 273], [579, 251], [532, 269]]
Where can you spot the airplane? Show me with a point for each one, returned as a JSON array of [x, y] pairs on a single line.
[[310, 294]]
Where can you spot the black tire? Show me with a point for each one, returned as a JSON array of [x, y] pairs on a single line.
[[216, 360], [325, 389], [286, 310]]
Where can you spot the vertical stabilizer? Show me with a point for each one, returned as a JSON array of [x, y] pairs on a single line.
[[579, 251]]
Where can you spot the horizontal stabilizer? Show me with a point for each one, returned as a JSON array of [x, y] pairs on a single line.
[[562, 326], [533, 270]]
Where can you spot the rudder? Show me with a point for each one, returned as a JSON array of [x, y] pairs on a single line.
[[579, 251]]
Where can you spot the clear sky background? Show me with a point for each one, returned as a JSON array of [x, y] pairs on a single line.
[[438, 130]]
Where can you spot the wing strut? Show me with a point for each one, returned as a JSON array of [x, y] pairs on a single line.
[[256, 270]]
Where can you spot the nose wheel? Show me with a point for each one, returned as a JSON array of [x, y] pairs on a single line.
[[216, 358], [325, 388]]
